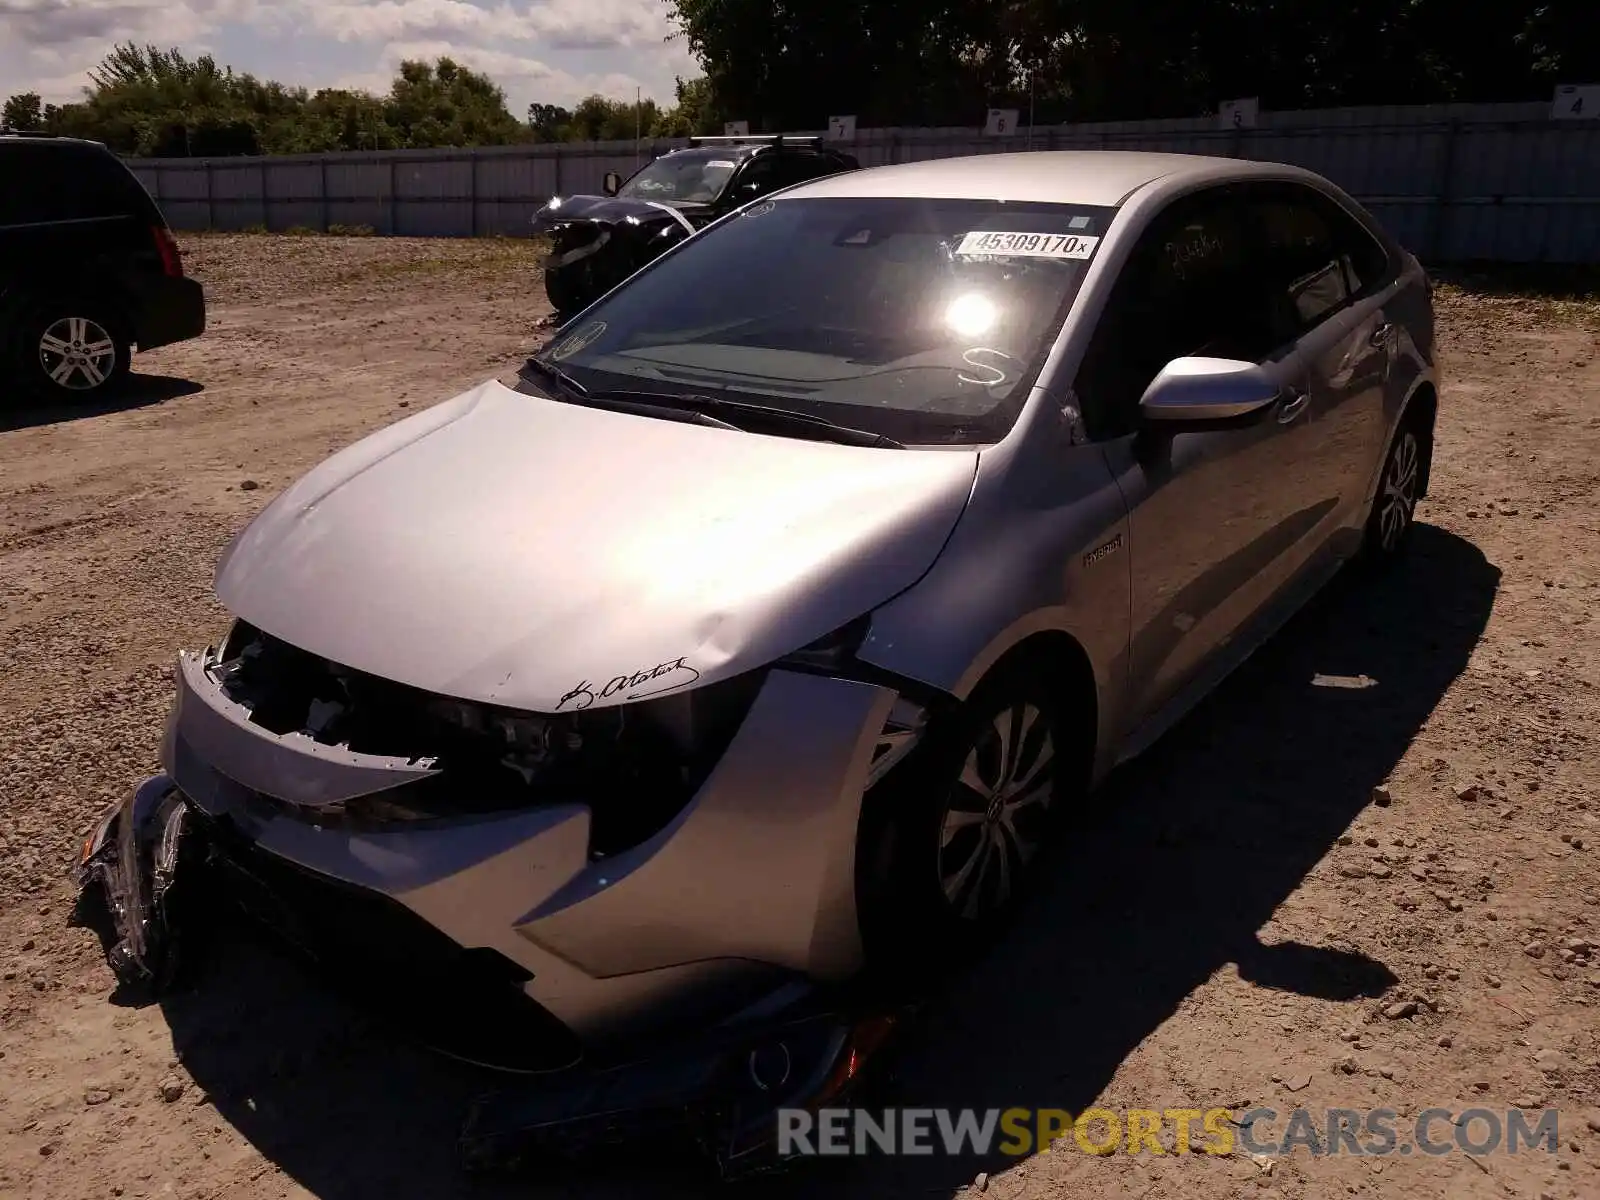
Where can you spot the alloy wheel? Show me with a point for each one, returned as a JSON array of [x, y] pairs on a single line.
[[996, 815], [1399, 499], [77, 353]]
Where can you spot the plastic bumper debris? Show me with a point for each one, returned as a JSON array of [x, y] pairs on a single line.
[[720, 1094], [131, 858]]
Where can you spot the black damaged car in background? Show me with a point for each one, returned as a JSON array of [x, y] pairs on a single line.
[[598, 241]]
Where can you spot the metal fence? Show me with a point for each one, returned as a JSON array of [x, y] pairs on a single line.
[[1454, 182]]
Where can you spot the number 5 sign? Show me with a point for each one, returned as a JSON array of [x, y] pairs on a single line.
[[1002, 122], [1238, 114]]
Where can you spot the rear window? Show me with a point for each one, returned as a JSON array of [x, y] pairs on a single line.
[[64, 182], [923, 320]]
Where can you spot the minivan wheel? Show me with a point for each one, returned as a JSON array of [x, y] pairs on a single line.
[[1399, 489], [949, 839], [71, 351]]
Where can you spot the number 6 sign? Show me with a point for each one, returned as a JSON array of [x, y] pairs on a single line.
[[1002, 122]]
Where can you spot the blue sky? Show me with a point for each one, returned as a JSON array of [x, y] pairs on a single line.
[[554, 51]]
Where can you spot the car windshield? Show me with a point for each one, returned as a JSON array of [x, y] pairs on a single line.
[[924, 320], [690, 178]]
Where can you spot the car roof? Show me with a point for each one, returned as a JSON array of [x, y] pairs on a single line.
[[1102, 178], [46, 139]]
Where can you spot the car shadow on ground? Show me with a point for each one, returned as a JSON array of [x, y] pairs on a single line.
[[137, 391], [1178, 863]]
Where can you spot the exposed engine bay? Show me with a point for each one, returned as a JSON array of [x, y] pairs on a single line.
[[634, 766]]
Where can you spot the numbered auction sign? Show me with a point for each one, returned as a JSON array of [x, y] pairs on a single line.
[[1239, 114], [842, 129], [1576, 102], [1002, 122]]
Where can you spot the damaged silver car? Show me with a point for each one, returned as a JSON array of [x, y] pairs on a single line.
[[760, 628]]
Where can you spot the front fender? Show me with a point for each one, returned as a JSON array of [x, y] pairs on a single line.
[[1042, 547]]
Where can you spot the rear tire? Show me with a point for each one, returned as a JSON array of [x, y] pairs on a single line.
[[1405, 467], [949, 838], [72, 350]]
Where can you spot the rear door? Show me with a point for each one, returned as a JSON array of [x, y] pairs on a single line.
[[1218, 520], [1330, 278]]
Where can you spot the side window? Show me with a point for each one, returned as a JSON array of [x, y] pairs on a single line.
[[58, 184], [1187, 289], [1299, 261], [1364, 256], [1314, 256], [758, 178]]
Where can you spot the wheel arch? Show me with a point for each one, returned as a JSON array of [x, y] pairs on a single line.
[[1424, 404], [1057, 658]]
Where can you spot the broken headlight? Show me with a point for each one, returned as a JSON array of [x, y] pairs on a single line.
[[835, 654], [634, 766], [901, 732]]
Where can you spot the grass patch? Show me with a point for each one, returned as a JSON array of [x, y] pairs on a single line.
[[1559, 293]]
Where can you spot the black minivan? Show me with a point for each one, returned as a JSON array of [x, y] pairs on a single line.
[[88, 270]]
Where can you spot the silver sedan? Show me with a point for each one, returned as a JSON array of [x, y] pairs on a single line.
[[761, 626]]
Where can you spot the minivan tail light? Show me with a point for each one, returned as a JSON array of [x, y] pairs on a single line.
[[171, 257]]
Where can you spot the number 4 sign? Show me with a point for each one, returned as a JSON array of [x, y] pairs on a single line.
[[1002, 122], [1574, 103]]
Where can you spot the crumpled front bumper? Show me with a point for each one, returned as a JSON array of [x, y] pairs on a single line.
[[751, 883], [566, 254]]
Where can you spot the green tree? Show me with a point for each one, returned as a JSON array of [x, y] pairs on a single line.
[[549, 122], [447, 104], [24, 112], [695, 112], [944, 61], [599, 119]]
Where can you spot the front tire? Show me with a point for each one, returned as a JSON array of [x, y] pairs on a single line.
[[73, 351], [949, 839], [563, 287]]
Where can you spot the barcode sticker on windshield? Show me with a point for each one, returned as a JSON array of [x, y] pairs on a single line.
[[996, 244]]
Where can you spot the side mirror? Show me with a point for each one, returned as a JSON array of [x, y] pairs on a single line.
[[1193, 394], [612, 183]]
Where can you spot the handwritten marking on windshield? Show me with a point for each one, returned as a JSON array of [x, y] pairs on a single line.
[[657, 680]]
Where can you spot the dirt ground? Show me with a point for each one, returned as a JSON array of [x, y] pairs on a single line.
[[1231, 924]]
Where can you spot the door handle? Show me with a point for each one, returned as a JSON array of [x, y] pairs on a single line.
[[1382, 336], [1294, 403]]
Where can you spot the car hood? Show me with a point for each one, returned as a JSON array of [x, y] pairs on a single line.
[[612, 210], [517, 550]]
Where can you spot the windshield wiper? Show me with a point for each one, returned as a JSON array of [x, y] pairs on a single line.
[[713, 410], [556, 375], [746, 414], [641, 403]]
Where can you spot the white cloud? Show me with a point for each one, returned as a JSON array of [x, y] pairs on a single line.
[[555, 51], [559, 24], [41, 25], [524, 77]]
